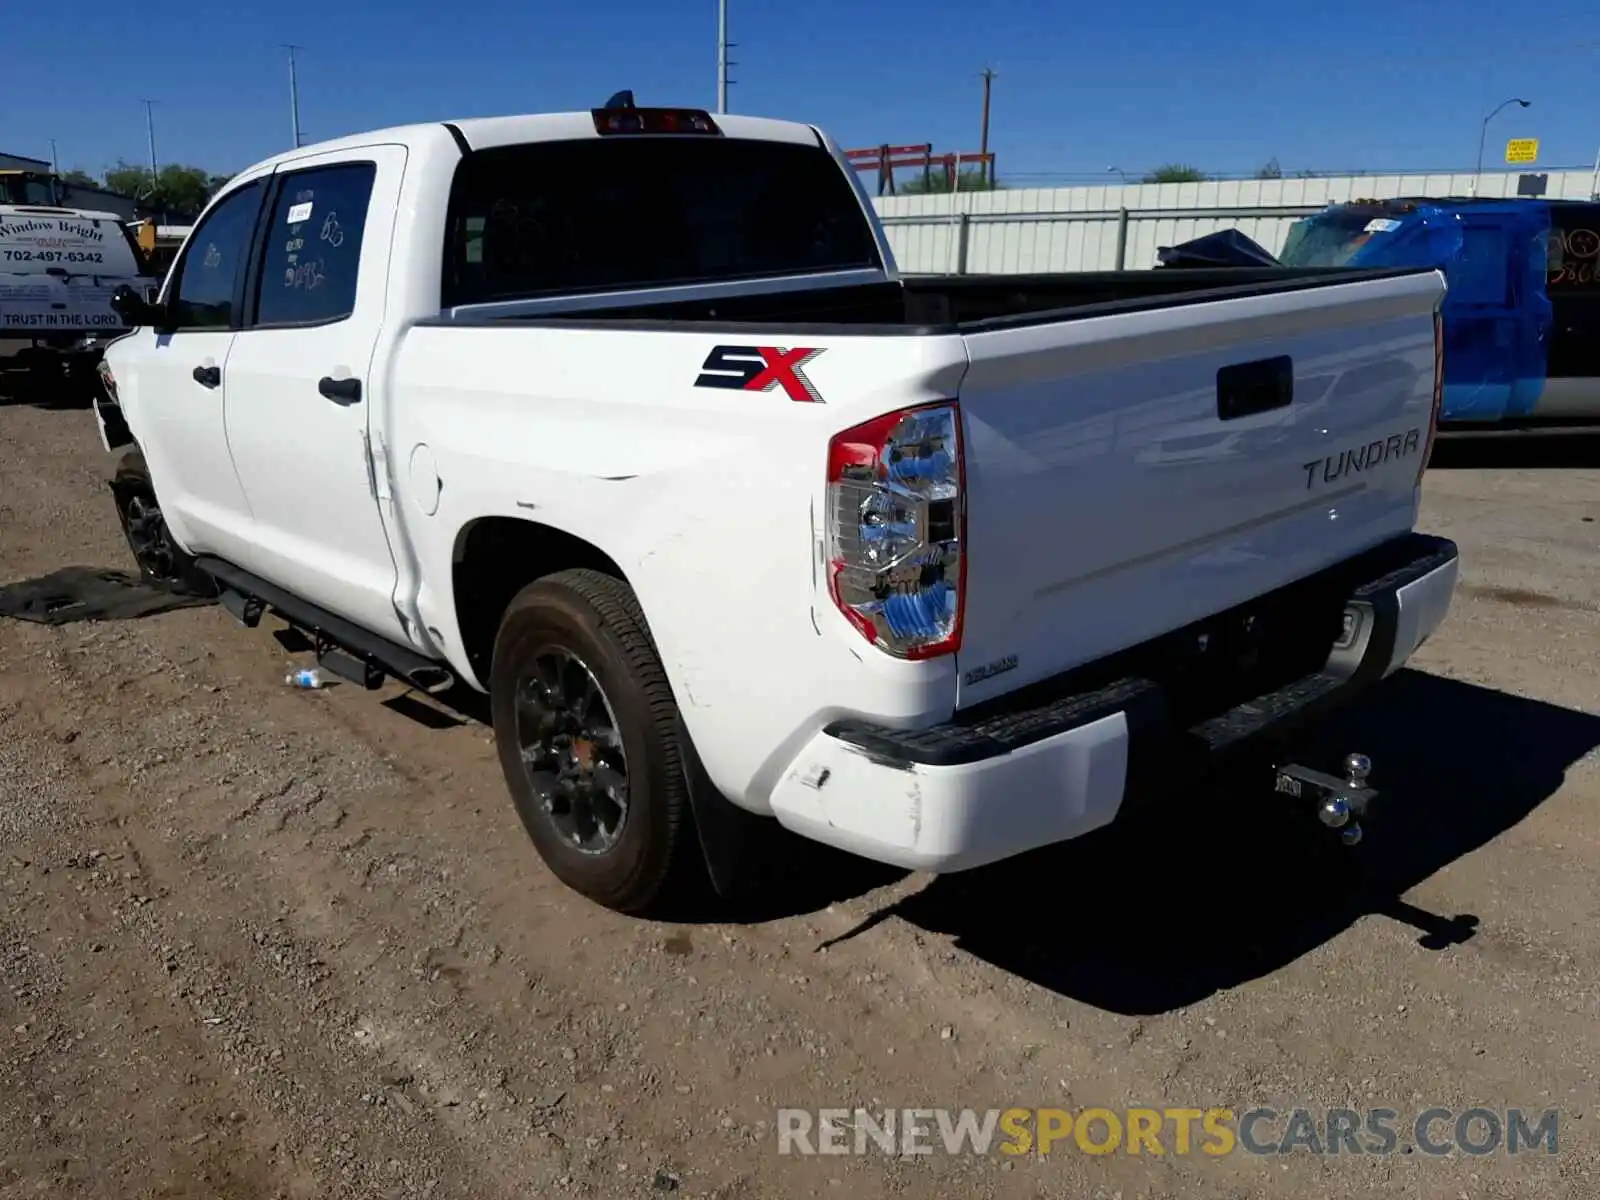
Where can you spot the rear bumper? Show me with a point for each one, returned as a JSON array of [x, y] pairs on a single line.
[[1032, 773]]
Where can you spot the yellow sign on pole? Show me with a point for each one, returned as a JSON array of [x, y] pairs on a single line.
[[1521, 151]]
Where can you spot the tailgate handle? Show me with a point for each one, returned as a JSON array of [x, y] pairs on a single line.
[[1244, 389]]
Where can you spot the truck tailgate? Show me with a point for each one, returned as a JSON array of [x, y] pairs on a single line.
[[1130, 473]]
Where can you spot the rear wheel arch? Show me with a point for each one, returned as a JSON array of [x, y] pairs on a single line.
[[589, 741], [498, 559], [494, 558]]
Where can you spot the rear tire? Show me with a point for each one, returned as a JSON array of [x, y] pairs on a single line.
[[162, 562], [586, 727]]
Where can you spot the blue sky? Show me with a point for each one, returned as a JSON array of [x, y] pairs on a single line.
[[1356, 84]]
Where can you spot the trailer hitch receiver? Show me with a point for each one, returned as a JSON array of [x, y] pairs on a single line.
[[1339, 803]]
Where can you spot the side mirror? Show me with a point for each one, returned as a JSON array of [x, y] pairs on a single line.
[[129, 305], [133, 308]]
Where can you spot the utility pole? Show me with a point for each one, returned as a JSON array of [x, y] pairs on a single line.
[[294, 97], [1483, 132], [150, 128], [55, 167], [983, 147], [723, 62]]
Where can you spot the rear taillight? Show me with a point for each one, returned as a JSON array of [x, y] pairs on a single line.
[[1438, 393], [896, 527], [109, 381]]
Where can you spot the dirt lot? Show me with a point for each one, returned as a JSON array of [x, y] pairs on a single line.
[[257, 942]]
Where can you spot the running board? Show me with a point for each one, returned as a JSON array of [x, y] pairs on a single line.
[[343, 648]]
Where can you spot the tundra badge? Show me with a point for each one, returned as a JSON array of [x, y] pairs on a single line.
[[1363, 458]]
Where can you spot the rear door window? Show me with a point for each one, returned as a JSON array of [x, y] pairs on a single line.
[[1572, 280], [1573, 259], [615, 214], [313, 251]]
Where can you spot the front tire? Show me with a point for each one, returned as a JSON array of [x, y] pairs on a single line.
[[586, 727], [162, 562]]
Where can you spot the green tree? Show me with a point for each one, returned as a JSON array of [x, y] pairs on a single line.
[[79, 178], [180, 191], [128, 179], [1175, 173], [971, 179]]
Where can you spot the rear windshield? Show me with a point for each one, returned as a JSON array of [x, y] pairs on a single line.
[[33, 243], [614, 214]]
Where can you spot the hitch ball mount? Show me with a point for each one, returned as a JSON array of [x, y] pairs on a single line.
[[1340, 803]]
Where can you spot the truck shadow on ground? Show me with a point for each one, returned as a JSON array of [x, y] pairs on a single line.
[[1157, 913], [1526, 451], [52, 397]]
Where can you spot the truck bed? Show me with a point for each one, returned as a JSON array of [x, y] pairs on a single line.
[[939, 305], [1142, 449]]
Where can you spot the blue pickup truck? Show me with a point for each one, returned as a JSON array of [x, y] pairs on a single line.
[[1522, 317]]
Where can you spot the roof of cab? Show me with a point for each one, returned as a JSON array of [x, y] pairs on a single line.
[[51, 210], [486, 132]]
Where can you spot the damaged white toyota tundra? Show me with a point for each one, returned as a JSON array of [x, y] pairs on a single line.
[[627, 418]]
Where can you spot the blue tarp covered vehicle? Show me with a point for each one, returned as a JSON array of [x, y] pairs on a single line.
[[1522, 318], [1498, 316]]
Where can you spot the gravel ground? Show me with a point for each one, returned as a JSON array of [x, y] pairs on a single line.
[[257, 942]]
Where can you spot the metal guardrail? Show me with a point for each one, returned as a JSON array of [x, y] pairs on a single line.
[[963, 222]]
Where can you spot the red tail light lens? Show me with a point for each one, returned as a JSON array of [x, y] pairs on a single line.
[[896, 528], [109, 381]]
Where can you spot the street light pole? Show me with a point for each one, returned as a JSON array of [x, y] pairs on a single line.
[[723, 62], [1483, 134], [150, 128], [294, 97]]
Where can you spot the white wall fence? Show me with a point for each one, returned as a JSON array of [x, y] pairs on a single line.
[[1112, 228]]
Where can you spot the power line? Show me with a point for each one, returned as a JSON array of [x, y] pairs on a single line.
[[1374, 63], [1297, 174]]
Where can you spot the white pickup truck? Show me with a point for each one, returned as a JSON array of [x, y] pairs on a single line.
[[626, 418]]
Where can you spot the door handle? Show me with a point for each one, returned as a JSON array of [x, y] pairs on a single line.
[[208, 376], [340, 391]]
